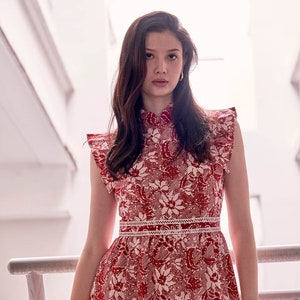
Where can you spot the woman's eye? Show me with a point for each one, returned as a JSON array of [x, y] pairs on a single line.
[[172, 56], [149, 55]]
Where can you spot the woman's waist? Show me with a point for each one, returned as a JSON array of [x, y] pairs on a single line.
[[169, 226]]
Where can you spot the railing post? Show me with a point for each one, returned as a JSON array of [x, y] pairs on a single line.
[[35, 286]]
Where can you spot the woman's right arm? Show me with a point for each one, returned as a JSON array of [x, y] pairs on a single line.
[[101, 225]]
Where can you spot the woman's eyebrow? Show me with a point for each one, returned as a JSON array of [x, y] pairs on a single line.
[[169, 50]]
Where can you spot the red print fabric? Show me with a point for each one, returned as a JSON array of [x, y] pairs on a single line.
[[170, 245]]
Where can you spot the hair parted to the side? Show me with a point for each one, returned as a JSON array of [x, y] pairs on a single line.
[[190, 122]]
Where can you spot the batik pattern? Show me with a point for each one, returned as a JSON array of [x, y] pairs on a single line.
[[170, 244]]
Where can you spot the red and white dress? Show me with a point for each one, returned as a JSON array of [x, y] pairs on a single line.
[[170, 245]]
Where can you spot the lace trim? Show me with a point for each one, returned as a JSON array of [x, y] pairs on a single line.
[[171, 231], [171, 222]]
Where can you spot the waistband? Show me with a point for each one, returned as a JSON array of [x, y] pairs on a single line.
[[170, 227]]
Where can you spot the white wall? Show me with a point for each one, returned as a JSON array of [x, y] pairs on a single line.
[[82, 30], [271, 150], [87, 111]]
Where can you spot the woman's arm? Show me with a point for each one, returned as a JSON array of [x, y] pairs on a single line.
[[240, 223], [101, 224]]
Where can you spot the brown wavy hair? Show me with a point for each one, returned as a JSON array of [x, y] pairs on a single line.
[[190, 121]]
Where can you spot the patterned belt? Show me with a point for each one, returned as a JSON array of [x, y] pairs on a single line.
[[170, 227]]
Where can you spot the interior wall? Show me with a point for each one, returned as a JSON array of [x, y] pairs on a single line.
[[82, 40], [271, 150]]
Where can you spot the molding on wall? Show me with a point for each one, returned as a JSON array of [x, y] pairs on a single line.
[[295, 80], [36, 216], [298, 157], [47, 41]]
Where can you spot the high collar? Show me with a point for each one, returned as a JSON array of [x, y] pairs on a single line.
[[151, 119]]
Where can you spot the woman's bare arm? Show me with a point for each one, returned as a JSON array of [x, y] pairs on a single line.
[[240, 223], [101, 225]]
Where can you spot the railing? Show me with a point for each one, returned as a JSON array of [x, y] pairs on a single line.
[[35, 267]]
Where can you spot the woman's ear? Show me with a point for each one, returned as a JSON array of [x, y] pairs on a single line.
[[185, 58]]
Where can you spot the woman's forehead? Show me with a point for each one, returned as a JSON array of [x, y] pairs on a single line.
[[162, 40]]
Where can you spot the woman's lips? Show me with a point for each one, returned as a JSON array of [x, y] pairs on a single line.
[[160, 82]]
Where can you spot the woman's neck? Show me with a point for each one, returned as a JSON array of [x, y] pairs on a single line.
[[156, 107]]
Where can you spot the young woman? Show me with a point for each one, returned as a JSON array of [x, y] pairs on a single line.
[[166, 168]]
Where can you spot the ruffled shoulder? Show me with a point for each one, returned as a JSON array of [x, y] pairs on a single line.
[[222, 124], [100, 145]]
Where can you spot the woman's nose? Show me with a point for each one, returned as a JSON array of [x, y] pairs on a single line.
[[161, 67]]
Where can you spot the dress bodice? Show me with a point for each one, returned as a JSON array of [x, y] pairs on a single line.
[[164, 185]]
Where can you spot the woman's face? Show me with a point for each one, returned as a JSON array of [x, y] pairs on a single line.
[[164, 64]]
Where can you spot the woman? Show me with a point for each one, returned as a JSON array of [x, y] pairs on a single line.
[[166, 167]]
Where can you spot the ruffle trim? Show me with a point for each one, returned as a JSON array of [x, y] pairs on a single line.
[[222, 127], [100, 145]]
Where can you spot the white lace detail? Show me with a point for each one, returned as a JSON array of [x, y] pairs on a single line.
[[171, 222], [170, 231], [133, 226]]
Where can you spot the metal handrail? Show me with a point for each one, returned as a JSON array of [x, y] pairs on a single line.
[[43, 265], [284, 253], [279, 295], [65, 264], [35, 267]]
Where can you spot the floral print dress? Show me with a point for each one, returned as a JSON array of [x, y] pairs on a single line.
[[170, 245]]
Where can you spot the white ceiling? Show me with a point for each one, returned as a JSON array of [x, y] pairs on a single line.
[[27, 134]]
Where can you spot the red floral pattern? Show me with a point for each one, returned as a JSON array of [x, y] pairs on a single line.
[[170, 245]]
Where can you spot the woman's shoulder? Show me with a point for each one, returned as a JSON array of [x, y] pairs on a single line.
[[102, 141], [215, 115], [221, 120], [222, 124], [100, 144]]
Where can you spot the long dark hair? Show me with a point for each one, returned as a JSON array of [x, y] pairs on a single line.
[[190, 122]]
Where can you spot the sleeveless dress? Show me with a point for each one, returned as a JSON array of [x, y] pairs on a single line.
[[170, 245]]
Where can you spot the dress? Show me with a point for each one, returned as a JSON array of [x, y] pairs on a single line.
[[170, 245]]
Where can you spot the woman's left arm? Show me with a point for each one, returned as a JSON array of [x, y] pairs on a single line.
[[240, 223]]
